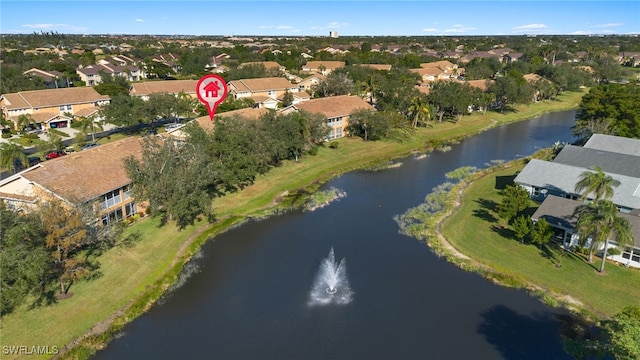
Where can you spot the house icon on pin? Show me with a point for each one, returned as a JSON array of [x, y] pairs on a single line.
[[211, 90]]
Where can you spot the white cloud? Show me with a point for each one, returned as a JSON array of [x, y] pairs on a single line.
[[139, 20], [430, 30], [530, 27], [458, 29], [52, 27], [284, 27]]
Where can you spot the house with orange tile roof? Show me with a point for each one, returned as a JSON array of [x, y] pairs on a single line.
[[146, 88], [307, 84], [322, 67], [379, 67], [428, 75], [336, 110], [95, 177], [264, 91], [51, 108], [267, 65]]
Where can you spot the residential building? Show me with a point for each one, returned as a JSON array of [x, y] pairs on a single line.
[[379, 67], [52, 79], [95, 177], [336, 110], [322, 67], [52, 108], [558, 212], [307, 84], [269, 65], [146, 88], [553, 182], [92, 74], [264, 91]]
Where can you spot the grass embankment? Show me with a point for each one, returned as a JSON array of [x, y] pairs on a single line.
[[472, 230], [133, 278]]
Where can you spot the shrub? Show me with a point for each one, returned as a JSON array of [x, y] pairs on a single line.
[[6, 135], [313, 151], [334, 144]]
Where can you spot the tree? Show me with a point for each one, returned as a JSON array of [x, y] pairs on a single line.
[[596, 182], [66, 236], [24, 261], [126, 111], [372, 125], [24, 121], [609, 109], [522, 226], [624, 333], [419, 111], [112, 85], [54, 142], [541, 233], [595, 224], [514, 200], [90, 126], [176, 178], [287, 98], [336, 83], [12, 156]]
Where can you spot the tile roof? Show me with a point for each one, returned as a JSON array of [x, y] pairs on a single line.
[[87, 174], [335, 106], [249, 113], [329, 65], [266, 64], [442, 64], [163, 86], [261, 84], [52, 97], [383, 67]]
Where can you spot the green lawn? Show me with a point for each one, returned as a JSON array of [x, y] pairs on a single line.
[[128, 272], [472, 230]]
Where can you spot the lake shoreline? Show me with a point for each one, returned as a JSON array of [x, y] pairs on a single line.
[[100, 334]]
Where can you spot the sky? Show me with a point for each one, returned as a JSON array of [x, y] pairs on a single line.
[[319, 17]]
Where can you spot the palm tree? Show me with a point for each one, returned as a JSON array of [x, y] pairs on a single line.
[[12, 154], [23, 121], [89, 125], [419, 111], [370, 88], [596, 182], [598, 221]]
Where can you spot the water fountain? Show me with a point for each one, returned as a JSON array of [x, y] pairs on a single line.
[[331, 285]]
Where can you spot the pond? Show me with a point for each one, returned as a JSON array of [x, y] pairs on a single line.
[[249, 294]]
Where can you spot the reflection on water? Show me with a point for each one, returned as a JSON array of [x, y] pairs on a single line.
[[249, 299]]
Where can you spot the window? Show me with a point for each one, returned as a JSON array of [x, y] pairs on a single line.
[[62, 108], [110, 199], [130, 209], [272, 93], [127, 192], [338, 133], [112, 217]]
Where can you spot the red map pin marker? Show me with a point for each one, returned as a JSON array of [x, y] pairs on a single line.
[[211, 90]]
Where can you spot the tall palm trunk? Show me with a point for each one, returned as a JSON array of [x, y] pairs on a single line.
[[604, 255]]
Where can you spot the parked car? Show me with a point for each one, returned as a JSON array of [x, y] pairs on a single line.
[[55, 154], [89, 146], [33, 160]]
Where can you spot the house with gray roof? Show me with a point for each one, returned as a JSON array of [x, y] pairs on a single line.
[[558, 212], [552, 183]]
